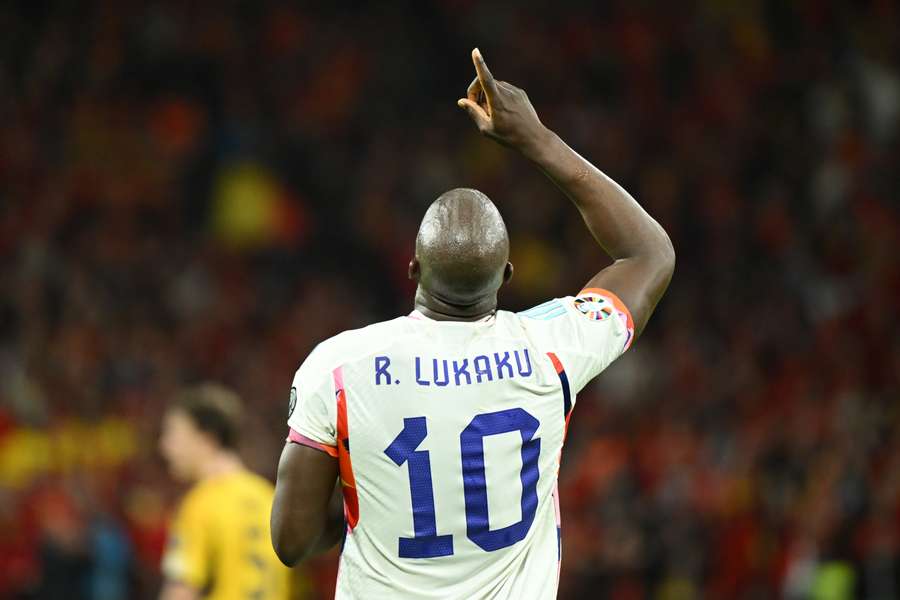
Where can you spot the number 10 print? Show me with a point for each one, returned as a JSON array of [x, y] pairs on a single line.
[[427, 543]]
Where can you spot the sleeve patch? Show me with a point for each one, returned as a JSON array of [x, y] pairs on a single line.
[[594, 306], [591, 297]]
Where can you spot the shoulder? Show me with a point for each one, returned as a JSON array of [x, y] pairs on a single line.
[[245, 491], [544, 316], [591, 312], [257, 484], [197, 502], [590, 305], [546, 311]]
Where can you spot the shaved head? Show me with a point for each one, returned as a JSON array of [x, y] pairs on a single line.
[[462, 250]]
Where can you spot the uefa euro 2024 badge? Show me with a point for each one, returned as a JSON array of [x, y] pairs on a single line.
[[594, 306]]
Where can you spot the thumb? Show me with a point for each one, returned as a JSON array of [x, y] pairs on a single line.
[[475, 112]]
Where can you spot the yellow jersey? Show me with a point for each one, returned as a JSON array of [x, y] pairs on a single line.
[[220, 540]]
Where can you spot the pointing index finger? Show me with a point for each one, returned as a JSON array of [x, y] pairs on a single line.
[[484, 76]]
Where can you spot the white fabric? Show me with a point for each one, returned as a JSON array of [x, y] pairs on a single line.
[[585, 342]]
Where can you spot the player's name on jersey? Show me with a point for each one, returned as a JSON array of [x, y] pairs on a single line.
[[482, 368]]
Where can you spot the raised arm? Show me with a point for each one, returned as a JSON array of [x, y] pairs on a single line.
[[642, 252]]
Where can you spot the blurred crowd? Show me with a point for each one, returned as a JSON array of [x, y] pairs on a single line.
[[204, 191]]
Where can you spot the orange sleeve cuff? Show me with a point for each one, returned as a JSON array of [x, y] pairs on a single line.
[[619, 305], [299, 438]]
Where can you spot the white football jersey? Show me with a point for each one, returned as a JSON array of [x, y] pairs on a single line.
[[449, 436]]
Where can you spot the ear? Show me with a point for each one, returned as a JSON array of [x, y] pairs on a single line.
[[414, 269], [507, 272]]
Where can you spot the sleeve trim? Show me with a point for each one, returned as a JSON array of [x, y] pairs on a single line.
[[345, 465], [298, 438], [620, 306], [564, 382]]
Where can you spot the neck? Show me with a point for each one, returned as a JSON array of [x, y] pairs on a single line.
[[222, 462], [439, 309]]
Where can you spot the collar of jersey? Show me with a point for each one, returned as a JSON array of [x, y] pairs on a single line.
[[416, 314]]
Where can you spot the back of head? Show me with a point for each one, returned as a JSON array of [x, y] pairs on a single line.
[[215, 410], [462, 248]]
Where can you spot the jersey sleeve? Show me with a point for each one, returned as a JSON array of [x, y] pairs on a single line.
[[313, 410], [189, 547], [586, 332]]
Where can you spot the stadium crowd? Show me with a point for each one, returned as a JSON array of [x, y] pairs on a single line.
[[195, 191]]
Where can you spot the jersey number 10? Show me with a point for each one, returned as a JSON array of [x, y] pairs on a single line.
[[427, 543]]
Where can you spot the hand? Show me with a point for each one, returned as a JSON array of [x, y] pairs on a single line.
[[501, 110]]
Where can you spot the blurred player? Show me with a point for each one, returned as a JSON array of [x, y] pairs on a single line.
[[219, 546], [447, 424]]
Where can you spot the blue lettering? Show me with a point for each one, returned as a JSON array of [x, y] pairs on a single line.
[[434, 369], [502, 363], [527, 362], [419, 379], [484, 370], [462, 370], [381, 365]]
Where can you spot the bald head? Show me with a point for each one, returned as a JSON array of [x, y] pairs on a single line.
[[462, 249]]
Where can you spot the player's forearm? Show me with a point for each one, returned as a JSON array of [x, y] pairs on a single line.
[[622, 228], [643, 254]]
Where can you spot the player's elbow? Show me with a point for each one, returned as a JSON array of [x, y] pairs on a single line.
[[666, 257], [288, 556], [290, 548], [654, 250], [292, 537], [658, 259]]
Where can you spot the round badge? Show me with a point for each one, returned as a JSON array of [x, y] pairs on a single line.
[[596, 308], [293, 402]]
